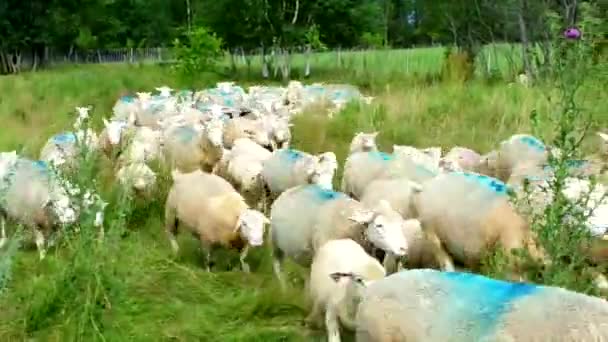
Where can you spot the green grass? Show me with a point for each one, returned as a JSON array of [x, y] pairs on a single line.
[[134, 289]]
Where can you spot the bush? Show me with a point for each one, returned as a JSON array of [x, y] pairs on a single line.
[[200, 51]]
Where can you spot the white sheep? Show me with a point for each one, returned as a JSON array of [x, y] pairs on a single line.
[[303, 218], [32, 197], [211, 209], [465, 158], [64, 148], [112, 137], [187, 148], [143, 146], [125, 107], [428, 305], [279, 131], [470, 213], [361, 168], [242, 167], [363, 142], [242, 127], [426, 157], [287, 168], [518, 150], [137, 176], [332, 298]]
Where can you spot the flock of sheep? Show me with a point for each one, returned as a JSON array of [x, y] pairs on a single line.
[[415, 208]]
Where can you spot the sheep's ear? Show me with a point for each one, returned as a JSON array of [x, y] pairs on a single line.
[[362, 216], [604, 136]]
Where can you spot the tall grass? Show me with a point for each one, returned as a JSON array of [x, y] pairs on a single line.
[[131, 287]]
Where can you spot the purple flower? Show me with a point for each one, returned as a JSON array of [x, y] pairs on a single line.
[[572, 33]]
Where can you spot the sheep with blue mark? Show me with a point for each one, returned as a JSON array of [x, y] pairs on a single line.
[[465, 158], [63, 149], [32, 196], [429, 305], [304, 218], [471, 213], [125, 107], [287, 168], [519, 151], [210, 208], [137, 176], [361, 168], [332, 299]]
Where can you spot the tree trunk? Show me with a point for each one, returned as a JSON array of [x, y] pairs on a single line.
[[523, 32]]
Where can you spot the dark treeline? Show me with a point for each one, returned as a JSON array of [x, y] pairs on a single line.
[[36, 26]]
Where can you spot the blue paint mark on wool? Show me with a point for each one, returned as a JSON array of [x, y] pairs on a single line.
[[324, 194], [291, 155], [41, 164], [533, 142], [482, 300], [127, 99], [64, 138], [186, 134], [381, 155], [490, 182]]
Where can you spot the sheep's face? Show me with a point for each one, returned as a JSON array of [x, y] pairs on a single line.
[[215, 132], [384, 228], [251, 224], [364, 142], [281, 132], [164, 91], [260, 136], [143, 96], [464, 158], [355, 287], [114, 130]]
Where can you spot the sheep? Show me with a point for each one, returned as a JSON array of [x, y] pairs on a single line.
[[332, 298], [137, 176], [279, 131], [362, 168], [144, 146], [112, 137], [246, 128], [363, 142], [426, 157], [242, 167], [465, 158], [488, 164], [212, 210], [62, 149], [519, 149], [187, 149], [31, 197], [287, 168], [303, 218], [429, 305], [124, 107], [399, 193], [470, 213]]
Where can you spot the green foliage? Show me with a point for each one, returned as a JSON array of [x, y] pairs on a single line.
[[199, 52], [372, 40]]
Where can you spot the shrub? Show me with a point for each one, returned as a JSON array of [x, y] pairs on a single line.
[[198, 52]]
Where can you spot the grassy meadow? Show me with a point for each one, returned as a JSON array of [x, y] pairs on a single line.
[[133, 289]]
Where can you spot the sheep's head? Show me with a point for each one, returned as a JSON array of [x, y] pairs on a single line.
[[428, 157], [259, 135], [355, 286], [323, 170], [281, 132], [225, 86], [464, 158], [384, 227], [214, 131], [164, 91], [114, 130], [364, 142], [251, 225], [143, 97]]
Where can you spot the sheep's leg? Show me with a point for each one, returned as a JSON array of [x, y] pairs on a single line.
[[314, 316], [276, 266], [39, 239], [244, 264], [390, 263], [3, 238], [331, 324], [207, 251], [171, 229], [442, 257]]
